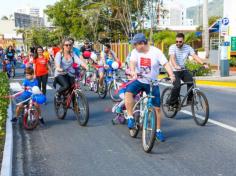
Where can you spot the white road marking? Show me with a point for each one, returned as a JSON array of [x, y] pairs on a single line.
[[231, 128], [16, 86]]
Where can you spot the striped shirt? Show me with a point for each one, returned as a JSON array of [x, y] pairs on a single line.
[[181, 54]]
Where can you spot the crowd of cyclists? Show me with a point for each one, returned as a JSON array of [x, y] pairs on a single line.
[[143, 63]]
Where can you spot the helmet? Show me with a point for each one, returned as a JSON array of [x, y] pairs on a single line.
[[115, 65], [36, 90], [94, 57], [39, 98], [86, 54], [75, 65]]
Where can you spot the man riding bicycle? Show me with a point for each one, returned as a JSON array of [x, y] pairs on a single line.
[[106, 56], [66, 63], [145, 61], [179, 53], [86, 47]]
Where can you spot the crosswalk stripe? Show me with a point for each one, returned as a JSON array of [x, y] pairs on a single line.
[[16, 86]]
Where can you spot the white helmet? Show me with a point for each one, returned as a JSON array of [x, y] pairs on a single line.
[[94, 57], [115, 65], [35, 90]]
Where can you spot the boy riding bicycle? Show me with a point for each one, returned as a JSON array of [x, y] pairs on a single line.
[[28, 83]]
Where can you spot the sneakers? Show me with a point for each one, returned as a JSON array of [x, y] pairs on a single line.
[[14, 119], [131, 123], [160, 136]]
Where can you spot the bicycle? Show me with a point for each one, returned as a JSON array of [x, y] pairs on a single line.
[[109, 84], [199, 101], [75, 96], [145, 118], [30, 115]]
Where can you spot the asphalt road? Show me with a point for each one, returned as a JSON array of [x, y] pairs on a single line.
[[62, 147]]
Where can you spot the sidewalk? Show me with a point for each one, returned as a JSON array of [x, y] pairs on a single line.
[[217, 80]]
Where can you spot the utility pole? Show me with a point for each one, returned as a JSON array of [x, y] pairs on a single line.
[[205, 39]]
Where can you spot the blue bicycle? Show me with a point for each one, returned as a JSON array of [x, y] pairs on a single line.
[[145, 118]]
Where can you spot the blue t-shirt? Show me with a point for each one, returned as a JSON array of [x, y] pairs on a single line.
[[30, 83], [76, 51]]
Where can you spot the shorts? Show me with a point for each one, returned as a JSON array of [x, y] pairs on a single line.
[[136, 86]]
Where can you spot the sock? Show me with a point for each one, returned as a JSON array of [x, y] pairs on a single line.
[[158, 130]]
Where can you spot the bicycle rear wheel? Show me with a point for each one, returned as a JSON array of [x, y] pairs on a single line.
[[81, 108], [149, 129], [30, 119], [168, 111], [59, 108], [114, 96], [200, 108]]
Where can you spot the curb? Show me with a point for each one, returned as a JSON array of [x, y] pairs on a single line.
[[216, 83], [6, 169]]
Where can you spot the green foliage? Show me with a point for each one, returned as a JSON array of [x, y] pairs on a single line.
[[4, 91], [191, 65], [232, 62]]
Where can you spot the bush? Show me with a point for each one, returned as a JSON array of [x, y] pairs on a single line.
[[4, 91], [191, 65], [232, 62]]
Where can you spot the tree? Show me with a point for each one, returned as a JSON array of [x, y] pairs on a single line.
[[4, 18]]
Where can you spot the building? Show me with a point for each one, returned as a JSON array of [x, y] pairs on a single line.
[[166, 13], [26, 21], [33, 11]]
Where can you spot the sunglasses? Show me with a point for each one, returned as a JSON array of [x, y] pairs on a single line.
[[179, 41], [67, 45]]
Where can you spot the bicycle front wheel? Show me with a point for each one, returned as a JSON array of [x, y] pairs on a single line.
[[81, 108], [112, 91], [102, 91], [168, 111], [30, 119], [200, 108], [60, 109], [149, 129]]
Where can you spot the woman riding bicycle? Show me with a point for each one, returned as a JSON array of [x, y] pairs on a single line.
[[66, 63]]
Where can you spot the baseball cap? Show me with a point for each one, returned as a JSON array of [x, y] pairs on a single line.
[[140, 37]]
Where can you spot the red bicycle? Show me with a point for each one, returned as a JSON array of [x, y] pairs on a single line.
[[79, 102]]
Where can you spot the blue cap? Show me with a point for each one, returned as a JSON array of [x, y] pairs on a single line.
[[140, 37]]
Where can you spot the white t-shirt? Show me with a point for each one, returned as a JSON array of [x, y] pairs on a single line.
[[181, 54], [148, 64]]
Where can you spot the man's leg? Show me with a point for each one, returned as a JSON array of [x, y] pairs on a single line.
[[187, 77], [176, 89], [157, 103]]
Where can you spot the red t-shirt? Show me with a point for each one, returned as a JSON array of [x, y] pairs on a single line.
[[41, 67], [55, 50]]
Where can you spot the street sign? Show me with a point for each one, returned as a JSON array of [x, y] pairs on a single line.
[[233, 43], [225, 21]]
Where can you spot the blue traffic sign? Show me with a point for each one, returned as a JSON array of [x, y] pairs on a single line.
[[225, 21]]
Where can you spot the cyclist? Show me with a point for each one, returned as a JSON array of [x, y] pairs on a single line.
[[106, 56], [28, 82], [179, 53], [145, 60], [10, 54], [86, 47], [64, 63], [75, 50]]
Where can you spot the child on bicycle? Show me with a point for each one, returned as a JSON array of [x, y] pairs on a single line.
[[28, 83]]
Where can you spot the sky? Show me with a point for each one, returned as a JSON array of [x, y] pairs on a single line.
[[9, 6]]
